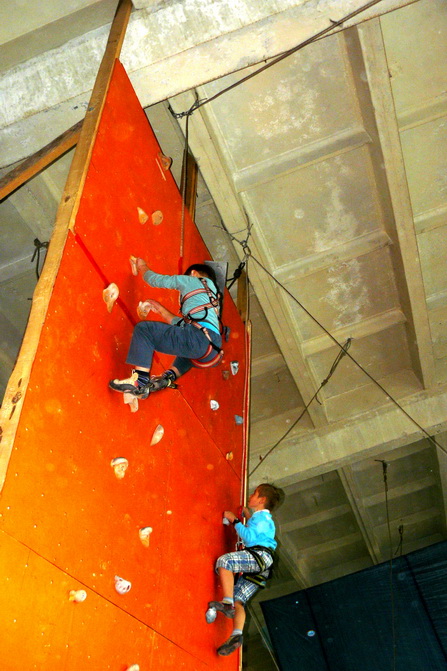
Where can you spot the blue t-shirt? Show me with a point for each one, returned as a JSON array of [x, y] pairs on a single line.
[[259, 530], [185, 284]]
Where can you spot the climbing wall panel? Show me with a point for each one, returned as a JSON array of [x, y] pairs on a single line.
[[66, 521]]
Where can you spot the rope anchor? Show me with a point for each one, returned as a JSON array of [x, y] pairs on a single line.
[[38, 246]]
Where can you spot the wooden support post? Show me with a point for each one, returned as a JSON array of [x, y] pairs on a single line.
[[40, 160], [242, 295], [66, 215], [192, 173]]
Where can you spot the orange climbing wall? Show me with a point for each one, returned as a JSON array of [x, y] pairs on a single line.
[[66, 521]]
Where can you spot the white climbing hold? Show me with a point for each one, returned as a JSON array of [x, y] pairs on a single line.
[[214, 405], [77, 595], [122, 586], [211, 614], [157, 217], [130, 400], [165, 161], [120, 466], [143, 309], [142, 216], [110, 295], [134, 667], [234, 365], [144, 535], [157, 435], [133, 265]]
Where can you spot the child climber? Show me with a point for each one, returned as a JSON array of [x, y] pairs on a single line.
[[254, 562], [194, 337]]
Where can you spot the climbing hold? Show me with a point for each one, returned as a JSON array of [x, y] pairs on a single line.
[[226, 374], [157, 217], [144, 307], [133, 265], [311, 633], [211, 614], [110, 295], [226, 522], [144, 535], [165, 161], [238, 419], [142, 216], [119, 465], [122, 586], [134, 667], [157, 435], [234, 365], [229, 456], [130, 400], [77, 595], [214, 405]]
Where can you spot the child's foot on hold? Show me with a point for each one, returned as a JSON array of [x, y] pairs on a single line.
[[226, 608], [130, 385], [231, 644]]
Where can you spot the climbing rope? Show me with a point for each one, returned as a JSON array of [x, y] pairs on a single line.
[[392, 595], [352, 358], [337, 360]]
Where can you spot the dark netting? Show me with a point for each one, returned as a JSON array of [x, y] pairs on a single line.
[[346, 624]]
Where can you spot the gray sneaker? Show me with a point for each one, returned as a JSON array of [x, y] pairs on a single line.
[[130, 386], [230, 645]]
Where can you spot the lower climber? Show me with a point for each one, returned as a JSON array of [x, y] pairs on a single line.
[[194, 338], [254, 562]]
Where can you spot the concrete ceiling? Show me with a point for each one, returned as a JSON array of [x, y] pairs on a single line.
[[337, 158]]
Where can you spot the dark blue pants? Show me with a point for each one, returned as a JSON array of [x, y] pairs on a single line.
[[185, 342]]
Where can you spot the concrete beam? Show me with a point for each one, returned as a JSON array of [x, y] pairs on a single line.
[[47, 25], [361, 514], [407, 489], [363, 437], [363, 329], [314, 263], [300, 157], [165, 52], [412, 291], [315, 518]]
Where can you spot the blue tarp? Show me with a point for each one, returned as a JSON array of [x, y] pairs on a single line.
[[346, 624]]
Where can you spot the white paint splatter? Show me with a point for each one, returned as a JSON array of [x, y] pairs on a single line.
[[339, 224], [348, 293]]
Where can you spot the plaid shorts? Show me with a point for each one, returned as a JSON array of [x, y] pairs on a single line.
[[244, 562]]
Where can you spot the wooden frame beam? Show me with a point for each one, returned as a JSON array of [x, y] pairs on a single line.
[[40, 160]]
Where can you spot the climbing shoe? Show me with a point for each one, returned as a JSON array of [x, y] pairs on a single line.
[[130, 386], [226, 608], [231, 644], [159, 382]]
